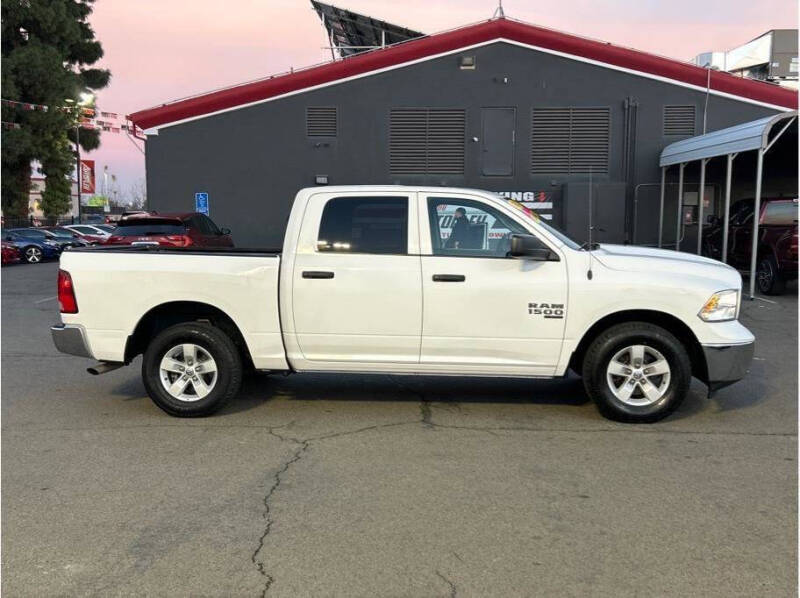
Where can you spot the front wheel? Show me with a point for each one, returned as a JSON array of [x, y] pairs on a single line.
[[768, 278], [636, 372], [192, 369], [33, 255]]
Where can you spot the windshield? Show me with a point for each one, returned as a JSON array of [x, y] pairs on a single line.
[[534, 217]]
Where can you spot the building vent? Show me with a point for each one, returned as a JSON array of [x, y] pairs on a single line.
[[679, 121], [570, 140], [321, 121], [427, 140]]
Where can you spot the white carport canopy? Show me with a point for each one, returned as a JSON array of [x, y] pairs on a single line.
[[756, 135]]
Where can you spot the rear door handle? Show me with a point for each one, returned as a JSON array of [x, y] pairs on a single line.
[[449, 278], [317, 274]]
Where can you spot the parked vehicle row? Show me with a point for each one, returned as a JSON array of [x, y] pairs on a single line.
[[189, 229]]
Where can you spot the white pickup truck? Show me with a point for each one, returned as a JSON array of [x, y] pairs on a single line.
[[409, 280]]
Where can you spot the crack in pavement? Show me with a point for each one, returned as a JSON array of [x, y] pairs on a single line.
[[450, 584], [267, 514], [426, 419], [424, 402]]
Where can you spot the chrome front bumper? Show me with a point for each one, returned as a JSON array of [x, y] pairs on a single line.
[[70, 339], [727, 364]]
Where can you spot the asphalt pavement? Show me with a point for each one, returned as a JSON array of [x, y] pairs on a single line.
[[390, 486]]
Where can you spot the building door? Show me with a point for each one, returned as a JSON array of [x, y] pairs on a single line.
[[497, 141]]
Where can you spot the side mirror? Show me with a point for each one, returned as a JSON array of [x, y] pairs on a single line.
[[528, 247], [224, 231]]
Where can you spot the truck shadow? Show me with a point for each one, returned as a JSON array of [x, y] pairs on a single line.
[[260, 389]]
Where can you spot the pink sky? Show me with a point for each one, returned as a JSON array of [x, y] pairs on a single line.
[[163, 50]]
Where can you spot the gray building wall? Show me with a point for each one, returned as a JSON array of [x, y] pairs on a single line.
[[253, 160]]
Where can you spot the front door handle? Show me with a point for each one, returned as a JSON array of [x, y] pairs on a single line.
[[449, 278], [317, 274]]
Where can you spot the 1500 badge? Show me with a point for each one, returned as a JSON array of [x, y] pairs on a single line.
[[548, 310]]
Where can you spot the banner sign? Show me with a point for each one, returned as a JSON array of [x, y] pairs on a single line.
[[87, 176]]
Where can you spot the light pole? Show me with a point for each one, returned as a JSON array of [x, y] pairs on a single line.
[[86, 98]]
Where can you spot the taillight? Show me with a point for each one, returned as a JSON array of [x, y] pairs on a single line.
[[66, 293], [179, 240]]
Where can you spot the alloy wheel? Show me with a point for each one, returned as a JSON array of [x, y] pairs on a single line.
[[638, 375], [33, 255], [188, 372]]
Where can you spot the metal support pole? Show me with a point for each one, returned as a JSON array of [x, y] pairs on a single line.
[[681, 166], [727, 214], [700, 199], [756, 218], [661, 206], [78, 164]]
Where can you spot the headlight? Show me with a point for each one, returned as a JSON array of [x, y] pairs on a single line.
[[721, 307]]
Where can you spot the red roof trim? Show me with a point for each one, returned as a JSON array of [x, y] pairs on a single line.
[[451, 41]]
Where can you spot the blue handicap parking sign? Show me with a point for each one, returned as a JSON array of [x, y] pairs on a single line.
[[201, 203]]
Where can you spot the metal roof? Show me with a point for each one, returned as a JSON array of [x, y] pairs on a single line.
[[740, 138], [495, 30]]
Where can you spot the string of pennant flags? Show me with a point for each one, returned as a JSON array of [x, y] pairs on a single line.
[[108, 122]]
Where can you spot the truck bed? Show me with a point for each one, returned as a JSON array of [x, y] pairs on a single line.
[[117, 288]]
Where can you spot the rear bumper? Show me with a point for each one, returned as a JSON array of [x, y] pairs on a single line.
[[70, 339], [727, 364]]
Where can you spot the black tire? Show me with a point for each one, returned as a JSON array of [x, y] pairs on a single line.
[[617, 338], [32, 254], [211, 340], [768, 279]]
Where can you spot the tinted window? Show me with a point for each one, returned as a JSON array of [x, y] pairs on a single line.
[[32, 234], [463, 227], [742, 211], [61, 233], [210, 226], [782, 213], [365, 225], [143, 228]]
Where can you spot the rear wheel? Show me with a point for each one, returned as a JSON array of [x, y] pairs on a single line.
[[33, 255], [636, 372], [192, 369], [768, 279]]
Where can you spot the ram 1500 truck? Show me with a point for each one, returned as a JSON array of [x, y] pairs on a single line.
[[408, 280]]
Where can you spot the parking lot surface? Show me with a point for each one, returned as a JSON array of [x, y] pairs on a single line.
[[390, 486]]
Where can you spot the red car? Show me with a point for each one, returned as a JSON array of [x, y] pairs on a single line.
[[777, 241], [11, 254], [173, 230]]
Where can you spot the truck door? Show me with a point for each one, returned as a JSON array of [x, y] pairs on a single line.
[[357, 293], [483, 311]]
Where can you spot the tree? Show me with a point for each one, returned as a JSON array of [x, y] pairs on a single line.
[[137, 195], [47, 49]]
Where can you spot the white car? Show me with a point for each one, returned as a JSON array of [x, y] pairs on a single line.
[[383, 279], [88, 229]]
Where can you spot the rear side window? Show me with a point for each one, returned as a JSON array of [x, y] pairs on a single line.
[[781, 213], [207, 225], [148, 228], [365, 225]]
